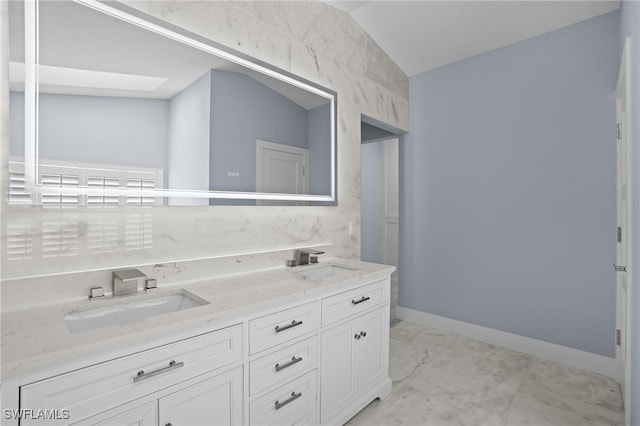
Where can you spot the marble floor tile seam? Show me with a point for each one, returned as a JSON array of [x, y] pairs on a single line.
[[513, 398]]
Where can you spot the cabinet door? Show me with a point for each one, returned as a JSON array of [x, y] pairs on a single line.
[[144, 415], [371, 349], [338, 380], [215, 401]]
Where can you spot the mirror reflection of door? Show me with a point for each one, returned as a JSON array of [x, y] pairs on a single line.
[[281, 169]]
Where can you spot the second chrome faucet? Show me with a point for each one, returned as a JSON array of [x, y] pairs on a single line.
[[304, 256]]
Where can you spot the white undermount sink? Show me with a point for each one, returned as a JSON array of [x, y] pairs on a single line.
[[326, 271], [130, 309]]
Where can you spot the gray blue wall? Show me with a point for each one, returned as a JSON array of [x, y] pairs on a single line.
[[508, 189], [319, 137], [630, 27], [189, 135], [243, 110], [369, 132], [92, 129]]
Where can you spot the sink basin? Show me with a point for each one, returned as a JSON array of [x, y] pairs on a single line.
[[133, 309], [326, 272]]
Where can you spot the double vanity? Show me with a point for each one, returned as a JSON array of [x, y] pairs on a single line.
[[303, 345], [229, 344]]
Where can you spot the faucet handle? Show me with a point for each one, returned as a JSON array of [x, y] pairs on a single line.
[[150, 284], [96, 293]]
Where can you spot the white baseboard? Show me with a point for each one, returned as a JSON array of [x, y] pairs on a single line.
[[541, 349]]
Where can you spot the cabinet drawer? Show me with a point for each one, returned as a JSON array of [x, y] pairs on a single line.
[[343, 305], [282, 365], [274, 329], [288, 404], [97, 388]]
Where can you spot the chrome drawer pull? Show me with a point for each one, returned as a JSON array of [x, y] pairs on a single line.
[[294, 323], [294, 396], [294, 360], [364, 299], [142, 375]]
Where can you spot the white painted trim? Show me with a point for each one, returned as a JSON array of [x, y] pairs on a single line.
[[31, 92], [624, 83], [541, 349]]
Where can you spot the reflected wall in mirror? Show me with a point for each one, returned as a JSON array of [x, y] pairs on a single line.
[[123, 104]]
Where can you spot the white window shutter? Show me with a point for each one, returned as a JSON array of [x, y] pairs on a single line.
[[17, 188], [55, 177], [104, 234], [60, 238], [19, 241]]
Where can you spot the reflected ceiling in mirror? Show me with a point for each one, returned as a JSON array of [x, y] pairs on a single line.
[[131, 112]]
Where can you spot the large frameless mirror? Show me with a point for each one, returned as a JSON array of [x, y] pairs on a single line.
[[110, 107]]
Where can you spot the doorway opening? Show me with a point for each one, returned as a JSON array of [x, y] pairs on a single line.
[[379, 192]]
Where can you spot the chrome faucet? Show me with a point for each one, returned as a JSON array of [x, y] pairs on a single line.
[[126, 281], [302, 256]]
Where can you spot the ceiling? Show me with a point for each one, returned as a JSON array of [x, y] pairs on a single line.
[[422, 35], [86, 52]]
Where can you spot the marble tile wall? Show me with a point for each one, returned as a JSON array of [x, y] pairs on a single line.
[[307, 38]]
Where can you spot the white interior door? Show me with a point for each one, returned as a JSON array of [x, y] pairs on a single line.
[[390, 205], [281, 168], [391, 214], [623, 230]]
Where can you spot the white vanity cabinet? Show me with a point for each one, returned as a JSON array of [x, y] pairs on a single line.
[[283, 369], [98, 388], [143, 415], [316, 361], [216, 400], [355, 352]]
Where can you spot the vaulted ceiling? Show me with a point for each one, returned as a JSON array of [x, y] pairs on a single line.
[[422, 35]]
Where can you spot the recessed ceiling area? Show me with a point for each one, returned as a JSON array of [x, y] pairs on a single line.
[[86, 52], [423, 35]]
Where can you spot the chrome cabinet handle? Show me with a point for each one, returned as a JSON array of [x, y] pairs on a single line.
[[142, 375], [294, 323], [363, 299], [363, 333], [294, 396], [357, 336], [294, 360]]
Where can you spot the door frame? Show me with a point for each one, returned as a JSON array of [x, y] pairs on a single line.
[[623, 95], [261, 146]]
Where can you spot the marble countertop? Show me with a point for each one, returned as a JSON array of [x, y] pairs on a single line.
[[35, 340]]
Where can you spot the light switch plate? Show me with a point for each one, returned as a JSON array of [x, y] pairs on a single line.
[[352, 227]]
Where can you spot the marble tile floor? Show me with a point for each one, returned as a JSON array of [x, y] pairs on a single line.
[[443, 379]]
